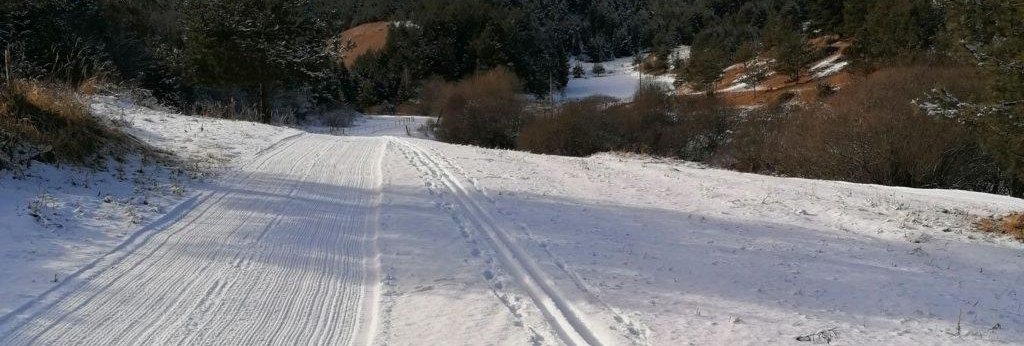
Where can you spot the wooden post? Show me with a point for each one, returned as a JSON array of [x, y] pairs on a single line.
[[551, 90], [7, 64], [264, 95]]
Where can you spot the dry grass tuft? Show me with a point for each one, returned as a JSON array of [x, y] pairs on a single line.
[[90, 86], [48, 123], [1011, 225]]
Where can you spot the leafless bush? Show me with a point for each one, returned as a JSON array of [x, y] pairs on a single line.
[[336, 119], [868, 132], [284, 116], [486, 110], [577, 128], [654, 123], [430, 100], [230, 109]]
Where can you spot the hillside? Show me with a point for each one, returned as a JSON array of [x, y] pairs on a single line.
[[754, 82], [362, 39]]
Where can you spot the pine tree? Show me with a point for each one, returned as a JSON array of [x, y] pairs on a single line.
[[987, 33], [786, 46], [255, 44], [490, 46], [891, 30], [707, 60], [577, 71], [826, 15]]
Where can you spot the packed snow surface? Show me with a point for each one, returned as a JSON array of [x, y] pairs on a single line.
[[53, 221], [376, 238]]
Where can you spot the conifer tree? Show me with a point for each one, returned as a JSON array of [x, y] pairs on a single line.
[[785, 45], [891, 30], [988, 34], [707, 59], [254, 44]]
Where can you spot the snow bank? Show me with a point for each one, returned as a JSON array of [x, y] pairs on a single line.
[[55, 220], [209, 143]]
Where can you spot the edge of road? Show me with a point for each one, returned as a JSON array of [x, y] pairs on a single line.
[[135, 240]]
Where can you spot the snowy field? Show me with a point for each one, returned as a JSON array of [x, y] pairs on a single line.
[[656, 252], [620, 80], [375, 238]]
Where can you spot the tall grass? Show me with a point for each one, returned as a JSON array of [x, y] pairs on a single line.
[[47, 122]]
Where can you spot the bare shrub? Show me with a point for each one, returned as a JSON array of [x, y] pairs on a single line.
[[655, 65], [577, 128], [409, 108], [231, 109], [654, 123], [869, 132], [486, 110], [284, 116], [432, 95], [336, 119], [702, 126]]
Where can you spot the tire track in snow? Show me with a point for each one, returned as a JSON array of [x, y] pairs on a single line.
[[564, 319], [279, 253]]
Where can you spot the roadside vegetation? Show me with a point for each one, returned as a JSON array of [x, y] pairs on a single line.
[[935, 101], [47, 123], [1011, 225], [916, 115]]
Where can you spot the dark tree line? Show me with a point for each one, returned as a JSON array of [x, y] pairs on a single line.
[[186, 52]]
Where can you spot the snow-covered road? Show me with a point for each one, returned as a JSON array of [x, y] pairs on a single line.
[[376, 238], [280, 252]]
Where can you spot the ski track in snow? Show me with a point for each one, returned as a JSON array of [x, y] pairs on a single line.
[[633, 330], [558, 311], [280, 252], [374, 239]]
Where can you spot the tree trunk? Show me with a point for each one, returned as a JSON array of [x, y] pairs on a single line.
[[264, 95]]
